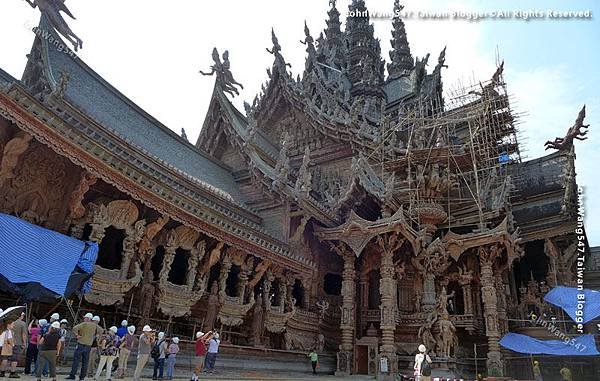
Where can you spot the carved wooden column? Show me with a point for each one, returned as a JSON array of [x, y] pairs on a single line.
[[388, 307], [132, 237], [225, 268], [243, 279], [195, 254], [501, 293], [364, 291], [267, 284], [289, 283], [163, 277], [282, 293], [347, 322], [487, 256], [464, 280]]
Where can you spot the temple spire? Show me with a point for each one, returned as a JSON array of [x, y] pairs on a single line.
[[330, 48], [401, 59], [364, 51], [334, 25]]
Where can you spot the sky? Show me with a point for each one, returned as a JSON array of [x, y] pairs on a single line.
[[152, 52]]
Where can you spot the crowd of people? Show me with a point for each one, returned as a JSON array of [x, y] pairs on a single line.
[[42, 343]]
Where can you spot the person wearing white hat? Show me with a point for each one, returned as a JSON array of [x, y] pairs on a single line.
[[108, 347], [49, 345], [94, 353], [159, 356], [125, 348], [422, 365], [211, 354], [122, 331], [85, 332], [144, 349], [54, 317], [61, 358], [201, 339], [172, 351]]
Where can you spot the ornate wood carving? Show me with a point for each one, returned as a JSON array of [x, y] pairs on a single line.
[[109, 286]]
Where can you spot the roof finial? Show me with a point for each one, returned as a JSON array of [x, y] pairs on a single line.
[[402, 60], [224, 76], [50, 10]]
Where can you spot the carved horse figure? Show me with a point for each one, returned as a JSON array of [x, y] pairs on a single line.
[[574, 132], [51, 10]]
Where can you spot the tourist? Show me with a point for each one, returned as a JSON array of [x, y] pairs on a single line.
[[54, 317], [565, 373], [108, 347], [122, 331], [213, 350], [32, 349], [422, 365], [49, 345], [20, 337], [537, 373], [144, 349], [44, 327], [125, 348], [159, 354], [6, 352], [314, 360], [64, 331], [201, 339], [85, 333], [94, 354], [172, 356]]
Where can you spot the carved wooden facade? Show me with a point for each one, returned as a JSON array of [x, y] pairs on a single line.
[[319, 218]]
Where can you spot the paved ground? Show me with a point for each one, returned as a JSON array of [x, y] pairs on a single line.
[[238, 376], [225, 375]]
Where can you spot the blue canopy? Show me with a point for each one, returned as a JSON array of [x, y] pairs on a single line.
[[584, 345], [568, 297], [39, 262]]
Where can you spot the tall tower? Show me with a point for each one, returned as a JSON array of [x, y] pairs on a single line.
[[365, 66], [401, 60]]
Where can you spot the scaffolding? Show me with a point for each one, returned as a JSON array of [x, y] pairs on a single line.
[[466, 141]]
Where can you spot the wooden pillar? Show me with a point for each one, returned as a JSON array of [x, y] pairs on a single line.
[[388, 244], [487, 256], [388, 308], [464, 281], [224, 274], [345, 356], [163, 277]]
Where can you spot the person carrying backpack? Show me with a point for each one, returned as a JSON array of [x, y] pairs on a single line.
[[422, 365], [159, 354]]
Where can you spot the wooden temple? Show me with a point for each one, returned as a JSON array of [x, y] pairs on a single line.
[[349, 208]]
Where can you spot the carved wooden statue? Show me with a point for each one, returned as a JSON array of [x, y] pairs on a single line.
[[213, 307], [51, 10], [573, 133]]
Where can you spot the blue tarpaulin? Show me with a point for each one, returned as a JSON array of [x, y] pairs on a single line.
[[568, 297], [31, 256], [584, 345]]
